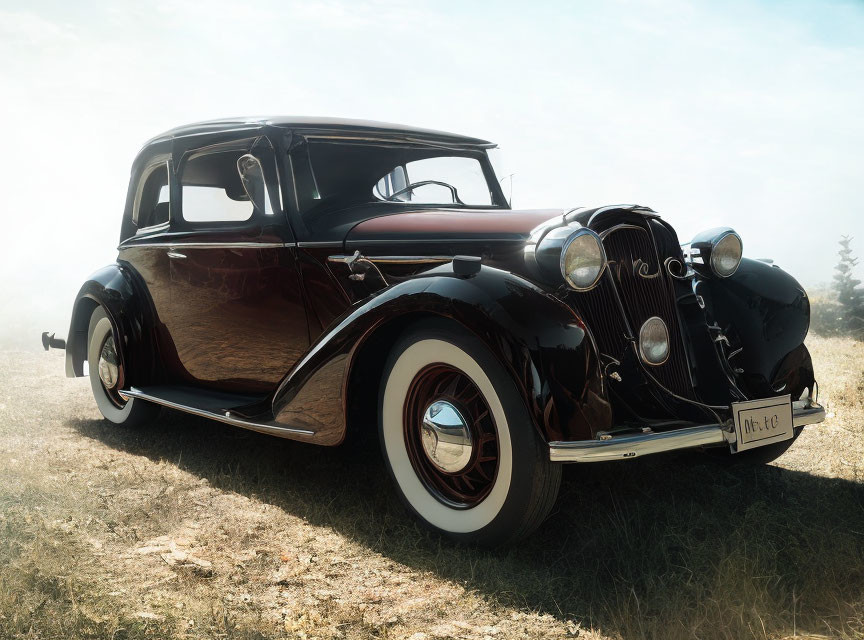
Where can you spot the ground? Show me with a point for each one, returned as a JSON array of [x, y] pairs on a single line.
[[192, 529]]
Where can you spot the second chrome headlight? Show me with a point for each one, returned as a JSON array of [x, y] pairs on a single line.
[[716, 252], [726, 254], [583, 259]]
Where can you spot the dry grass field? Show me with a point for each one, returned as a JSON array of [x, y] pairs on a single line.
[[191, 529]]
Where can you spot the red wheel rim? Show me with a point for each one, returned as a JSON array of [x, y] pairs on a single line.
[[469, 486]]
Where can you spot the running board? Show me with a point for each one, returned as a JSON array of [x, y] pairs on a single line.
[[183, 401]]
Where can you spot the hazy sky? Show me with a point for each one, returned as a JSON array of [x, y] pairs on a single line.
[[748, 114]]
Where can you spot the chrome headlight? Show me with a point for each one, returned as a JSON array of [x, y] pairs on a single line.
[[582, 259], [726, 255], [717, 249]]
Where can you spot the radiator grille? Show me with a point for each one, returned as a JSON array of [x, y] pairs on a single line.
[[645, 290]]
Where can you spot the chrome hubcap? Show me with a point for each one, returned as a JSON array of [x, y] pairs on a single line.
[[108, 370], [446, 437]]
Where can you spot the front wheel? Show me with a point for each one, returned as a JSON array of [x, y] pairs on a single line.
[[458, 440], [107, 376]]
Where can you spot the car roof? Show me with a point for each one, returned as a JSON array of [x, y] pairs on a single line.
[[322, 126]]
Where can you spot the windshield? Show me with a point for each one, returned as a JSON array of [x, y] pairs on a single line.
[[332, 176], [441, 180]]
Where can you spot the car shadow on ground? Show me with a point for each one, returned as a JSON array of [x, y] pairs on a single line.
[[631, 546]]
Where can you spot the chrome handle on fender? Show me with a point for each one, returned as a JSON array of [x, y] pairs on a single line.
[[175, 254]]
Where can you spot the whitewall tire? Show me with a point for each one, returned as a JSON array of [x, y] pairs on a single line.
[[106, 376], [458, 440]]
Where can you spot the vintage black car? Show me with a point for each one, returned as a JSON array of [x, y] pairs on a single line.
[[315, 278]]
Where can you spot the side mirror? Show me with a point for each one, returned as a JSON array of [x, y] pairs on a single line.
[[252, 176]]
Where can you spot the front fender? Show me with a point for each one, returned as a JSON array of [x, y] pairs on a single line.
[[762, 309], [540, 341], [114, 288]]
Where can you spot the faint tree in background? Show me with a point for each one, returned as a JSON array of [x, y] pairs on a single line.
[[849, 295]]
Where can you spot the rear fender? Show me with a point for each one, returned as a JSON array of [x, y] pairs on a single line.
[[540, 341], [115, 289]]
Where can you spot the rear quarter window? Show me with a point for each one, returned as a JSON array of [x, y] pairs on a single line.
[[212, 190], [152, 202]]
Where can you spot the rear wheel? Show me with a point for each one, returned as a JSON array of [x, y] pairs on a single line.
[[459, 441], [107, 376]]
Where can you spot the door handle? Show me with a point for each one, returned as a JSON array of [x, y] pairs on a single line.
[[175, 254]]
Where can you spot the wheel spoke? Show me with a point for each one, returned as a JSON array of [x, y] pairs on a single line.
[[450, 389], [479, 417], [472, 398], [483, 473], [442, 383], [440, 387]]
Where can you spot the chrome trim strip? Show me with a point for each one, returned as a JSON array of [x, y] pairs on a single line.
[[156, 228], [320, 245], [207, 245], [642, 444], [400, 140], [349, 260], [260, 427], [409, 259], [362, 242]]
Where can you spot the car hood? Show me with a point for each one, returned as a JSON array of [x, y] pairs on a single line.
[[447, 231]]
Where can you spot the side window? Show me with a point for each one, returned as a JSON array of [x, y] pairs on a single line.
[[212, 190], [152, 206]]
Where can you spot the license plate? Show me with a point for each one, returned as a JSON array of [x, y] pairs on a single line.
[[761, 422]]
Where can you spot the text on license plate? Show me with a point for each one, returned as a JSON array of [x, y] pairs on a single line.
[[761, 422]]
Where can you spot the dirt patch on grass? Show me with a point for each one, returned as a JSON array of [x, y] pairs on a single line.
[[193, 529]]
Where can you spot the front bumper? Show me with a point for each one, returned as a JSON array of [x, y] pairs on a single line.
[[629, 445]]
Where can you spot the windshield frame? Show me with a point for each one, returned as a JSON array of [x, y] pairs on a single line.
[[498, 199]]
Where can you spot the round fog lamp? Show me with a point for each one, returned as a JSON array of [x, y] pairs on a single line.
[[654, 341]]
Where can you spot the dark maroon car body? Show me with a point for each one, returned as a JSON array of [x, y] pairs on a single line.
[[281, 324]]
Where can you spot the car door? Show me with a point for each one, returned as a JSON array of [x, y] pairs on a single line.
[[236, 314]]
